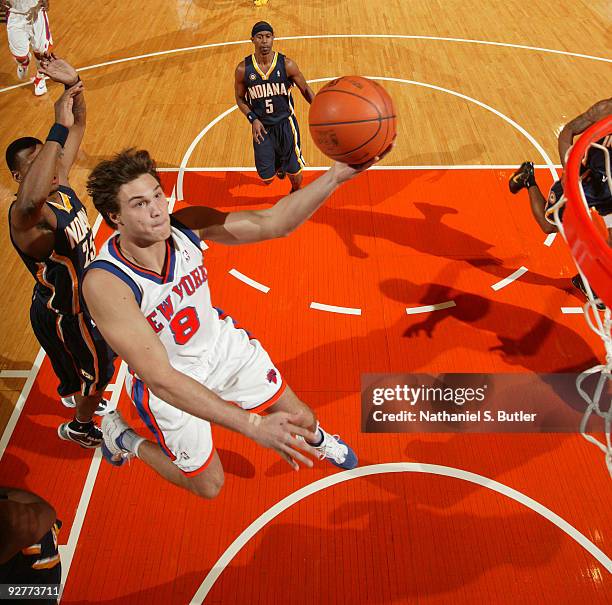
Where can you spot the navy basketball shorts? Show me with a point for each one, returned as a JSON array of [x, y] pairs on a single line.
[[81, 360], [597, 196], [280, 150]]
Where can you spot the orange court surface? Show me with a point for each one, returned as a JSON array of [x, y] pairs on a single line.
[[425, 518]]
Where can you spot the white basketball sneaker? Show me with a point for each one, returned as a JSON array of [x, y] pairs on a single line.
[[113, 429], [40, 86]]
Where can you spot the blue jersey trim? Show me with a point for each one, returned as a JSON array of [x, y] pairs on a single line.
[[111, 268], [187, 231]]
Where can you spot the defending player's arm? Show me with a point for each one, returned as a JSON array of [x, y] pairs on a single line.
[[578, 125], [112, 306], [29, 215], [61, 71], [24, 519], [240, 92], [280, 220], [293, 71]]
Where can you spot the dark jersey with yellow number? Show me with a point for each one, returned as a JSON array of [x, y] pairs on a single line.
[[268, 94], [58, 277]]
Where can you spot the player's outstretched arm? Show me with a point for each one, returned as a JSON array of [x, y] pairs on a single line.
[[249, 226], [293, 71], [112, 306], [28, 212], [59, 70], [578, 125]]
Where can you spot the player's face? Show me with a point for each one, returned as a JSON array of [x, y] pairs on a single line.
[[143, 211], [263, 42], [25, 158]]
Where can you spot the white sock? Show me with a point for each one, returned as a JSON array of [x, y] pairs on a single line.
[[131, 440]]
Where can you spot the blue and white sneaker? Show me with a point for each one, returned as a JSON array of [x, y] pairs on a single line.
[[337, 452], [113, 427]]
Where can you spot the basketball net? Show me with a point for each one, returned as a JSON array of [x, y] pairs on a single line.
[[594, 262]]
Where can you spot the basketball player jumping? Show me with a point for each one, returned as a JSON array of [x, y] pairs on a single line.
[[27, 26], [49, 229], [594, 180], [262, 87], [190, 366]]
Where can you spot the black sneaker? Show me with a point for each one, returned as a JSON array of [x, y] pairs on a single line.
[[579, 285], [522, 178], [86, 434], [281, 174]]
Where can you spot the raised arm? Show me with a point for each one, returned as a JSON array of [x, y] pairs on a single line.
[[248, 226], [61, 71], [28, 216], [293, 71], [578, 125], [112, 306]]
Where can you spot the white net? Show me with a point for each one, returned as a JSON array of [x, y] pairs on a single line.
[[595, 392]]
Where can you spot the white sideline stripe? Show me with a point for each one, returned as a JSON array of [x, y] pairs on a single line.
[[550, 238], [334, 309], [508, 280], [27, 387], [428, 308], [330, 36], [391, 467], [67, 551], [15, 373], [572, 310], [377, 167], [250, 282]]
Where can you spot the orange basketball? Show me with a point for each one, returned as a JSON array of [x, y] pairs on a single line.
[[352, 119]]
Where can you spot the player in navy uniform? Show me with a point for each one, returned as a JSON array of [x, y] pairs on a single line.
[[262, 86], [28, 550], [50, 231], [594, 181]]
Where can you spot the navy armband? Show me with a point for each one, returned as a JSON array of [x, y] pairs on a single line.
[[58, 134], [251, 117]]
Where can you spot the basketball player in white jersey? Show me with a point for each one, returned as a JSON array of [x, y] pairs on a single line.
[[190, 366], [27, 26]]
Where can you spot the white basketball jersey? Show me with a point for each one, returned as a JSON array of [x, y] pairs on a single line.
[[176, 303]]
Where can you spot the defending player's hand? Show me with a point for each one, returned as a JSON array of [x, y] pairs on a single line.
[[59, 70], [63, 106], [345, 172], [280, 431], [258, 131]]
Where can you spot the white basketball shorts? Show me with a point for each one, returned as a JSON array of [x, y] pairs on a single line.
[[22, 34], [239, 371]]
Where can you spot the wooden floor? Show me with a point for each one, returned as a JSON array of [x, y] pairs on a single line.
[[437, 224]]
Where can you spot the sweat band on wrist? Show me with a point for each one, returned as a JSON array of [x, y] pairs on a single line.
[[67, 86], [251, 117], [58, 134]]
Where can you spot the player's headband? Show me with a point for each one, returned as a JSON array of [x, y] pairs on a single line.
[[262, 26]]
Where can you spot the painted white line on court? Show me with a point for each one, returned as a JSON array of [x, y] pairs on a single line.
[[250, 282], [376, 167], [334, 309], [15, 373], [379, 469], [572, 310], [550, 238], [508, 280], [173, 51], [429, 308], [67, 551], [27, 387]]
